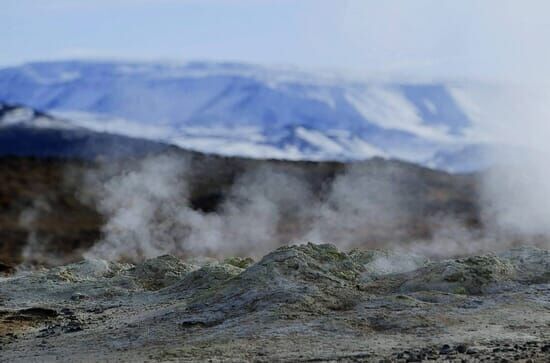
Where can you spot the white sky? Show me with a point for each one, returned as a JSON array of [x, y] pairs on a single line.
[[476, 39]]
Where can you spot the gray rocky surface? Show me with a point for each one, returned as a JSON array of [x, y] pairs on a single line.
[[298, 303]]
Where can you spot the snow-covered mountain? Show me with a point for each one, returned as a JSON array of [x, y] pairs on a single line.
[[237, 109]]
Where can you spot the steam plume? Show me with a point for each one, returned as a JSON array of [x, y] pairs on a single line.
[[149, 212]]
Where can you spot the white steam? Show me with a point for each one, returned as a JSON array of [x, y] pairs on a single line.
[[35, 246], [362, 205], [515, 189], [149, 212], [141, 206]]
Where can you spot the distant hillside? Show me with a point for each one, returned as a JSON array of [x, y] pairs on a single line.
[[27, 132]]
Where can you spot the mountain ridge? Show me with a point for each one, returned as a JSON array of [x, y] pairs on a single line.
[[251, 111]]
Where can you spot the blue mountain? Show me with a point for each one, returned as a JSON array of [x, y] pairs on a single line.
[[253, 111]]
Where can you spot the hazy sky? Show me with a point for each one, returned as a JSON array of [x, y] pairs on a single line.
[[424, 38]]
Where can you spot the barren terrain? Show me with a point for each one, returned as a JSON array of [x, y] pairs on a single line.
[[298, 303]]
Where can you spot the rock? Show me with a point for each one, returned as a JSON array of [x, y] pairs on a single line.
[[239, 262], [532, 264], [308, 277], [160, 272], [322, 264], [472, 351], [208, 277], [72, 327], [318, 276], [79, 296], [445, 349], [85, 270], [472, 276]]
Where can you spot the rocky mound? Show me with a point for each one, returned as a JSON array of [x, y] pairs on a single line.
[[306, 302]]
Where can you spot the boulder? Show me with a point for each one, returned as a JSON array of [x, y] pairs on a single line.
[[471, 276], [160, 272]]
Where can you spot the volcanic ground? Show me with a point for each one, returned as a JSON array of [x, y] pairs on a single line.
[[298, 303]]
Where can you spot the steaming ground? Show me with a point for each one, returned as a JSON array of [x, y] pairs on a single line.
[[183, 262], [301, 303], [193, 205], [148, 212]]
